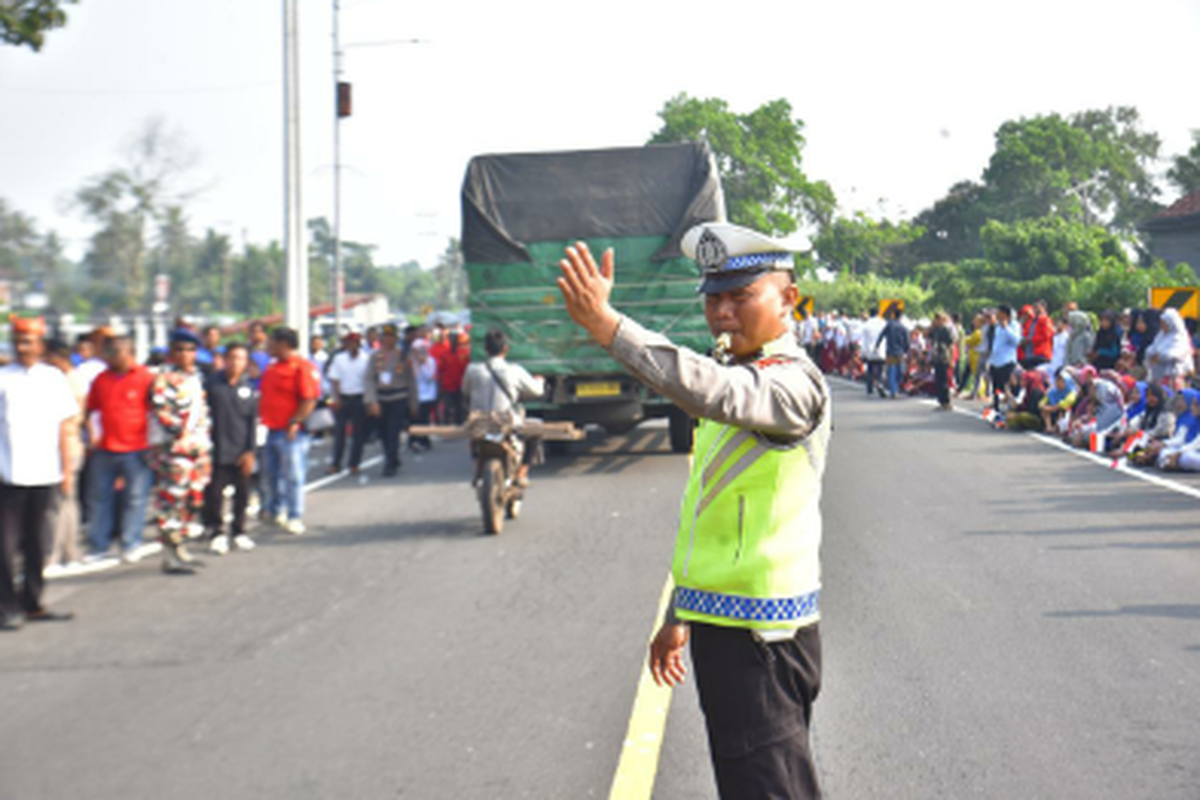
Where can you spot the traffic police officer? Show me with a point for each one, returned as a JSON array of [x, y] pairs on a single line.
[[746, 565]]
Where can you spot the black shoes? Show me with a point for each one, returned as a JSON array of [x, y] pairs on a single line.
[[14, 622]]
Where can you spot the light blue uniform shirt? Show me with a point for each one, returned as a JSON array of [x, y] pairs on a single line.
[[1004, 345]]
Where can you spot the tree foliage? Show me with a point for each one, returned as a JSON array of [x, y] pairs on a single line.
[[860, 244], [1184, 173], [1095, 166], [759, 158], [25, 22]]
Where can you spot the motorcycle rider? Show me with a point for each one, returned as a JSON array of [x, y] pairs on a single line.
[[496, 386]]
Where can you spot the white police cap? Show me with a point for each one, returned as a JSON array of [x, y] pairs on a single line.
[[731, 256]]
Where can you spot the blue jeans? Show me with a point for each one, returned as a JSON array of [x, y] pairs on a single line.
[[286, 469], [104, 468], [894, 371]]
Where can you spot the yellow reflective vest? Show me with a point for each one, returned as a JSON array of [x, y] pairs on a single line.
[[747, 551]]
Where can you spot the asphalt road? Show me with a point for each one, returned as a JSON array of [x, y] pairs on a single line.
[[1000, 620]]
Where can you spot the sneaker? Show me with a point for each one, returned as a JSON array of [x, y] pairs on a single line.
[[295, 527], [243, 542], [195, 530], [98, 558], [54, 571], [219, 545], [131, 555], [281, 519]]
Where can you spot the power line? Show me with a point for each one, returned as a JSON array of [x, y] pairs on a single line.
[[239, 87]]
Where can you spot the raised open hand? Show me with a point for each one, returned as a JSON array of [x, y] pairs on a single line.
[[586, 288]]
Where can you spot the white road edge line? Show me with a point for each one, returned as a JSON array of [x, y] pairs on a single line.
[[1107, 463], [153, 548]]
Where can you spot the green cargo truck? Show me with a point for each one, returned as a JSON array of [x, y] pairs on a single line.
[[521, 210]]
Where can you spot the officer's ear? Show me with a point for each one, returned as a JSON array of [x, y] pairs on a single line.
[[790, 293]]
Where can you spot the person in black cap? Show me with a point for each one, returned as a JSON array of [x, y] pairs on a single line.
[[387, 390], [747, 567], [182, 445]]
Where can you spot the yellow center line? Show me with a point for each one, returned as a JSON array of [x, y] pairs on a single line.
[[638, 766]]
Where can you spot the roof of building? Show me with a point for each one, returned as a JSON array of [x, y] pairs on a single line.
[[1183, 214]]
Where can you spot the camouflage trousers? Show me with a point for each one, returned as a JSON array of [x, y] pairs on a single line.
[[179, 494]]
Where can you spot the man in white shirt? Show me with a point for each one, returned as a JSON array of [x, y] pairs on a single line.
[[346, 374], [874, 351], [38, 418]]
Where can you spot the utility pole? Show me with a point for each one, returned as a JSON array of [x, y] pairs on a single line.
[[339, 108], [295, 251]]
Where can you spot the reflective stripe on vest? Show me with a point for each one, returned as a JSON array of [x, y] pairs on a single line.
[[746, 554]]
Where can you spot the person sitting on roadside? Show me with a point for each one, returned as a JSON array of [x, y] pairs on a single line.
[[1107, 346], [1026, 412], [1170, 356], [1182, 450], [1150, 429], [1107, 416], [1057, 404], [1082, 412]]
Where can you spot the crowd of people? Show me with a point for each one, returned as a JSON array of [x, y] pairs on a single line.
[[206, 434], [1122, 383]]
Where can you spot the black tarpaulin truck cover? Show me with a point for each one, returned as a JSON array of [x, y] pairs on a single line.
[[511, 200]]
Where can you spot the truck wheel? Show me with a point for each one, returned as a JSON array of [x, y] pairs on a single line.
[[682, 431]]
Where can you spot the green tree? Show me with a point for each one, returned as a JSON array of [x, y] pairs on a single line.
[[950, 228], [258, 280], [18, 240], [860, 244], [1094, 167], [758, 157], [1184, 173], [451, 278], [25, 22], [125, 202]]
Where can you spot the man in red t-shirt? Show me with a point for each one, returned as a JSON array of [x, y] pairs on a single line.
[[453, 354], [118, 412], [288, 394]]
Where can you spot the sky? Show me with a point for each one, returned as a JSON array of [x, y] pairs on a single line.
[[899, 100]]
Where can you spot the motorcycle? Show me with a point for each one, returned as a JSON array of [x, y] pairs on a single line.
[[498, 452]]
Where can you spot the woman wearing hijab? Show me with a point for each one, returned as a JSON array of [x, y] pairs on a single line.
[[1141, 335], [1169, 356], [1107, 347], [1107, 416], [1058, 402], [1153, 426], [1026, 413], [1182, 450], [1082, 413], [1079, 343]]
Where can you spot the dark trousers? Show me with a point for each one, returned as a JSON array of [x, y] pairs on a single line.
[[874, 377], [451, 408], [353, 413], [757, 700], [224, 475], [393, 419], [23, 525], [1000, 379], [424, 414], [941, 379]]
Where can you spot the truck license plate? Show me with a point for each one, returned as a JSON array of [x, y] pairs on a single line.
[[603, 389]]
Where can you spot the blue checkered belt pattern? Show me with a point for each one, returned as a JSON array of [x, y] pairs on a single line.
[[754, 609]]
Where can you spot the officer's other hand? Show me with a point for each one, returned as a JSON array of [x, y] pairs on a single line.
[[586, 288], [666, 654], [373, 410]]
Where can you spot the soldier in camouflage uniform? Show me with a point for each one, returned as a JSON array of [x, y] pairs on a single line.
[[182, 451]]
